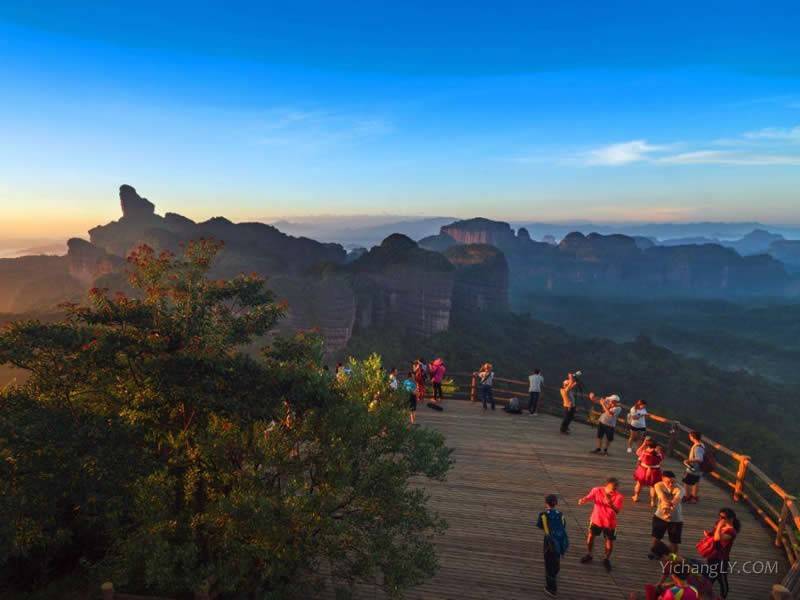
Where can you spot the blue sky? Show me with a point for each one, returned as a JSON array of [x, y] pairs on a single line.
[[601, 110]]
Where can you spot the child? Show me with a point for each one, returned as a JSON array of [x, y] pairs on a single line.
[[556, 542]]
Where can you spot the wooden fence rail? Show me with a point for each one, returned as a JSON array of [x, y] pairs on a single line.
[[776, 508]]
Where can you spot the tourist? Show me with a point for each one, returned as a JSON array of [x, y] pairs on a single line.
[[648, 468], [485, 382], [393, 383], [436, 372], [535, 389], [410, 386], [693, 472], [420, 375], [568, 401], [723, 535], [556, 542], [694, 570], [637, 423], [668, 518], [680, 589], [607, 504], [607, 423]]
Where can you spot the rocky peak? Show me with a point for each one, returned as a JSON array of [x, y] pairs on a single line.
[[479, 231], [134, 207]]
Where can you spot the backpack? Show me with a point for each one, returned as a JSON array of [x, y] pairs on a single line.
[[513, 406], [555, 533], [709, 462]]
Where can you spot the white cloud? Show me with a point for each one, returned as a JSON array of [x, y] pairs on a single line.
[[622, 153], [721, 157], [791, 134]]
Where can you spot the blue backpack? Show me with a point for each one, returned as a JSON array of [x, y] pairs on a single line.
[[555, 531]]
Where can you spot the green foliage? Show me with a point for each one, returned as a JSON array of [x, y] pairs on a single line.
[[147, 448]]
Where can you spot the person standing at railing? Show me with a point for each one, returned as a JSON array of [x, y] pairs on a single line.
[[568, 401], [535, 389], [693, 471], [485, 382], [637, 423], [436, 371]]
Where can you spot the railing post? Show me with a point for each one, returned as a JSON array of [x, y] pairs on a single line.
[[738, 488], [787, 500], [473, 389], [673, 438]]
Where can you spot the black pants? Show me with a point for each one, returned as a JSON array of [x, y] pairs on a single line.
[[569, 415], [720, 570], [533, 403], [487, 395], [552, 565], [437, 391]]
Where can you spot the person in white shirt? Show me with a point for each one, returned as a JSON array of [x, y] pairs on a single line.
[[535, 389], [607, 423], [668, 518], [693, 472], [393, 383], [637, 422]]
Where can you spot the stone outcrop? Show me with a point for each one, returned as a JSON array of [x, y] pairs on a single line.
[[86, 262], [481, 279], [401, 285], [479, 231], [134, 207]]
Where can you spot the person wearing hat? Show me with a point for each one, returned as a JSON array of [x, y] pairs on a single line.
[[607, 423]]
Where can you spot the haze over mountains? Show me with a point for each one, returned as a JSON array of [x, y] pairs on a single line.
[[468, 265]]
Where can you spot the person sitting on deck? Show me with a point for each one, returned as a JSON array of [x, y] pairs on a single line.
[[607, 504], [607, 423], [556, 542], [694, 571], [568, 401]]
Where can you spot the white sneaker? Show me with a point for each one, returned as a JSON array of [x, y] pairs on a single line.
[[629, 450]]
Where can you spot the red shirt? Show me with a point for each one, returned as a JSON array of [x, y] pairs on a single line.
[[602, 513]]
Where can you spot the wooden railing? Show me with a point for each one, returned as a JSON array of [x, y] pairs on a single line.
[[747, 483]]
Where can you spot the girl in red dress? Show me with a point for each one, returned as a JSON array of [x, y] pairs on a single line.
[[648, 469]]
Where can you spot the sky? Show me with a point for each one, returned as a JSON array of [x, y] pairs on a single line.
[[604, 111]]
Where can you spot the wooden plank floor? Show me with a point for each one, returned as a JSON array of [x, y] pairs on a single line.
[[505, 465]]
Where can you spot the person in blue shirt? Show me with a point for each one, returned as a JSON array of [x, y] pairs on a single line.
[[556, 542]]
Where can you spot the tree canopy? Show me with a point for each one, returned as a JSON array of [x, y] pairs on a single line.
[[148, 448]]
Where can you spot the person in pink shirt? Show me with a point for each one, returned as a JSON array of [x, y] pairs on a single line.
[[607, 504], [436, 371]]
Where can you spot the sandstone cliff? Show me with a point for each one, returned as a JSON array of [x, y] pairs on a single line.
[[481, 279]]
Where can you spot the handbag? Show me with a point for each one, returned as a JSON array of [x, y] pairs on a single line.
[[707, 547]]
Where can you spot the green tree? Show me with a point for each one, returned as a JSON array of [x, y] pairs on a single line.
[[148, 448]]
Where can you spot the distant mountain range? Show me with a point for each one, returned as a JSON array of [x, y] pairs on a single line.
[[456, 267], [362, 231]]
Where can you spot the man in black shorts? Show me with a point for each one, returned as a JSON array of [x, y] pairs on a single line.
[[668, 519], [607, 504], [607, 423]]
